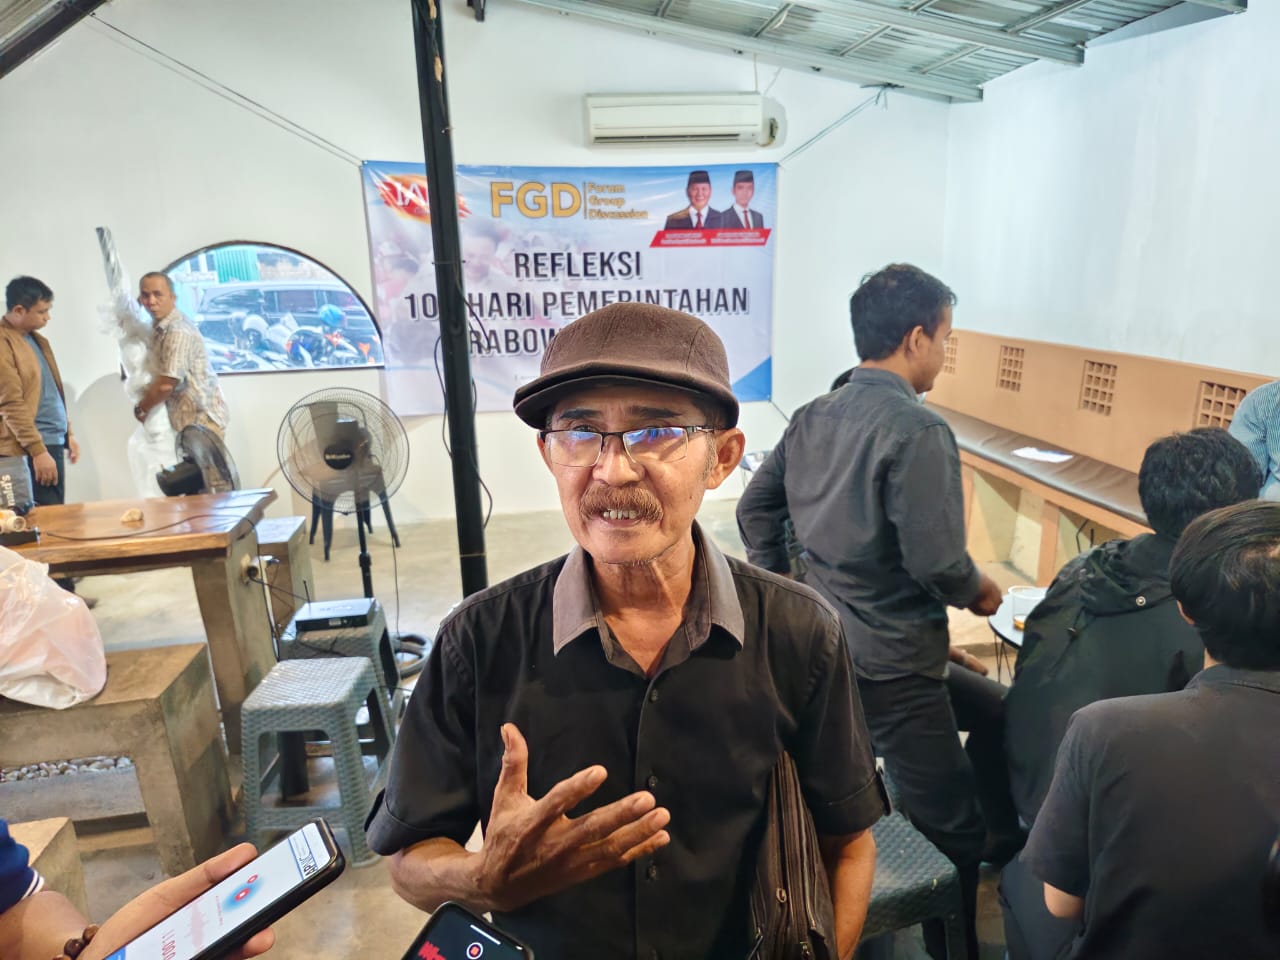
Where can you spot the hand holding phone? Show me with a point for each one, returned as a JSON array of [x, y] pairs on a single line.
[[153, 905], [455, 933], [224, 907]]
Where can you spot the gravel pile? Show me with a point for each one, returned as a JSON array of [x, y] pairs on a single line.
[[57, 768]]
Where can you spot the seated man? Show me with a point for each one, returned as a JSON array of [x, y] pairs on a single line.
[[613, 717], [1108, 626], [1155, 834]]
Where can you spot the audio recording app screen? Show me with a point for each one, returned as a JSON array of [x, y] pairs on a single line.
[[233, 902], [454, 936]]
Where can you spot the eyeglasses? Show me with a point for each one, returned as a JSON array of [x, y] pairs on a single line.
[[581, 448]]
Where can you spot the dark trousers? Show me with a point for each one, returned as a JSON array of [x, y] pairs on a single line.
[[52, 494], [1031, 932], [43, 495], [914, 730], [978, 703]]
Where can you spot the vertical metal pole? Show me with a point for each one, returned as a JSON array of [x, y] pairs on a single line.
[[428, 42]]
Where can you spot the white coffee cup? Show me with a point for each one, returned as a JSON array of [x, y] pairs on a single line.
[[1022, 600]]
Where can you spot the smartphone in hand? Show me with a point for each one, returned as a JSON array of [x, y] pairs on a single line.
[[455, 933], [247, 902]]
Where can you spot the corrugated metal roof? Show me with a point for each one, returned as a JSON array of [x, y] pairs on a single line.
[[935, 48], [27, 26]]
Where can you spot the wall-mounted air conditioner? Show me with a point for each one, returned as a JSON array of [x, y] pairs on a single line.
[[679, 118]]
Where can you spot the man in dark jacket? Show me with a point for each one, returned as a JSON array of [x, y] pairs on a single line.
[[1109, 627]]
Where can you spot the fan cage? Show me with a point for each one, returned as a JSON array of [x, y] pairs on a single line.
[[324, 419]]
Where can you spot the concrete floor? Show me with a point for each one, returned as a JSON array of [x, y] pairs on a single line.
[[359, 915]]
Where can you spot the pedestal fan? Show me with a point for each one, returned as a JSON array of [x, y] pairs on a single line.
[[342, 449]]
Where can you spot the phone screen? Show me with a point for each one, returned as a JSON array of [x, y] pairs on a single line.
[[233, 902], [454, 934]]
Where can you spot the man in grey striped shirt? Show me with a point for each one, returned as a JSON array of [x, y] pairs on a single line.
[[182, 378]]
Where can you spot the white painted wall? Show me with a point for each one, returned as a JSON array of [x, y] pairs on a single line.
[[107, 134], [1131, 204]]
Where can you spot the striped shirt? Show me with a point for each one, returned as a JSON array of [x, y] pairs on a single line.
[[177, 351], [1257, 425]]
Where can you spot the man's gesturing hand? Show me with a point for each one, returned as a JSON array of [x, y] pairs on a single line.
[[533, 849]]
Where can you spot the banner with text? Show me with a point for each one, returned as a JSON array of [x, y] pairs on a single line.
[[541, 246]]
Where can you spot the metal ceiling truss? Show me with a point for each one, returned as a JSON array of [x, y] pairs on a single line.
[[1231, 6], [856, 69], [46, 26], [938, 25], [1057, 10]]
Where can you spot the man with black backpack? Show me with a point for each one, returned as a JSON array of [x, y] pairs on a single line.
[[1110, 627]]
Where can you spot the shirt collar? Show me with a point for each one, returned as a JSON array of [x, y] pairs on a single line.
[[713, 600], [863, 374], [171, 316], [1220, 674], [693, 212]]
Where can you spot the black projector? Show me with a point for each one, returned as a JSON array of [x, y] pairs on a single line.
[[333, 614]]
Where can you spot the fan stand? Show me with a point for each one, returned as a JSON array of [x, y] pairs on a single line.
[[407, 643], [366, 561]]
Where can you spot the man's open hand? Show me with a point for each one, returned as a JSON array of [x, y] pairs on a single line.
[[532, 849]]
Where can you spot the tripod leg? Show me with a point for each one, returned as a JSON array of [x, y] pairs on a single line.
[[315, 519], [327, 519], [386, 512]]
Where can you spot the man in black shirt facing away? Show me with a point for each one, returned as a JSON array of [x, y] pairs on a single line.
[[1155, 834], [613, 717], [870, 478], [1109, 627]]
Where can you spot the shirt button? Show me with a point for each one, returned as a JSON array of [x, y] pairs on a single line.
[[652, 872], [653, 695], [651, 782]]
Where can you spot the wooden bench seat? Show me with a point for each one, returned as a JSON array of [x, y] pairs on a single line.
[[1085, 482], [1002, 393], [158, 709], [1081, 487]]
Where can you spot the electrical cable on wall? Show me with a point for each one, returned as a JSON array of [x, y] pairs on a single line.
[[261, 110], [216, 87], [881, 96]]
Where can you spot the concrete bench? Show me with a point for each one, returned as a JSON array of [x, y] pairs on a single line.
[[51, 847], [158, 709], [285, 538]]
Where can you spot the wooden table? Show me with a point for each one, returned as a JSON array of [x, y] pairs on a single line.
[[213, 534]]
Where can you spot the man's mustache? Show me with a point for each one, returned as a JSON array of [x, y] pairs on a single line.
[[599, 499]]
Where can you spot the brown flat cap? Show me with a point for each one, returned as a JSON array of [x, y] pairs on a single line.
[[630, 343]]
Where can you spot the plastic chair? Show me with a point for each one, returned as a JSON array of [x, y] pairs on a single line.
[[913, 883], [322, 694]]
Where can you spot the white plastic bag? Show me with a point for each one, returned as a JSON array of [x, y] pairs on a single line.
[[151, 448], [50, 650]]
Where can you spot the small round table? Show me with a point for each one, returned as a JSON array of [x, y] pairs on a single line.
[[1001, 624]]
